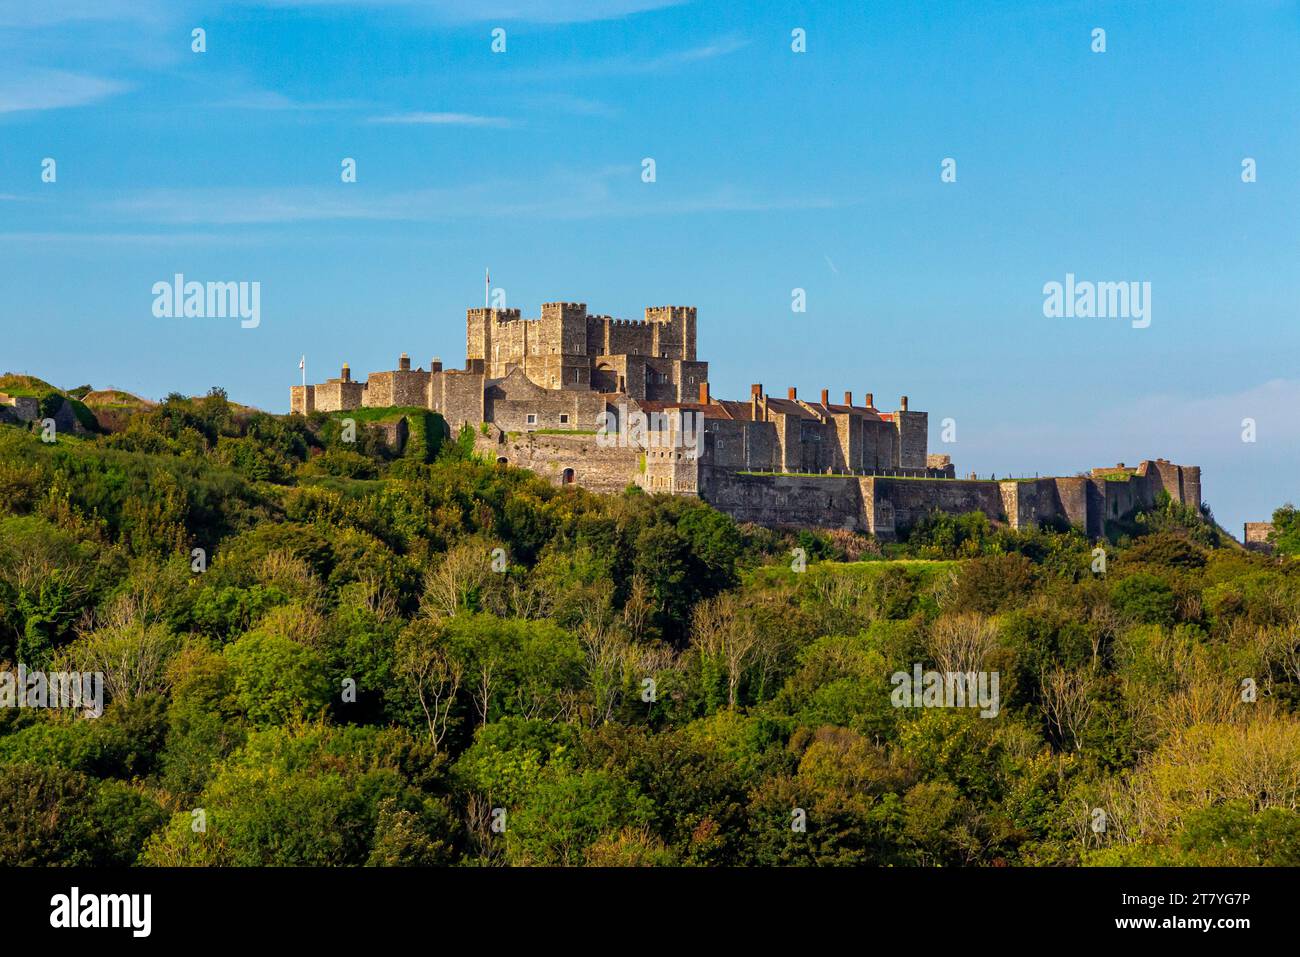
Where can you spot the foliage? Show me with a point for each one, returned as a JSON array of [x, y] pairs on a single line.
[[348, 654]]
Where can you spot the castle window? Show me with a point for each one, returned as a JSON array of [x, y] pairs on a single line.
[[564, 418], [566, 477], [531, 418]]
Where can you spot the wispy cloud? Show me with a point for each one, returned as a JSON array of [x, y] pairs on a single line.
[[564, 195], [166, 240], [573, 105], [637, 65], [53, 89], [440, 119], [269, 100], [477, 11], [27, 14]]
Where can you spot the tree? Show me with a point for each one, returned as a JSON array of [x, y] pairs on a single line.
[[724, 636], [962, 642], [277, 680], [1286, 530], [431, 672]]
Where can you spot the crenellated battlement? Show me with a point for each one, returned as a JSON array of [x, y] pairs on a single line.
[[779, 460], [670, 313]]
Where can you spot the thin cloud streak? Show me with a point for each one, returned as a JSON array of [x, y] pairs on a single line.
[[477, 11], [441, 119], [54, 89], [566, 198]]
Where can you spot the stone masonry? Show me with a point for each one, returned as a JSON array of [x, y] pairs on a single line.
[[606, 403]]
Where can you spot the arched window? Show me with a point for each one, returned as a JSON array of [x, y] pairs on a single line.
[[566, 477]]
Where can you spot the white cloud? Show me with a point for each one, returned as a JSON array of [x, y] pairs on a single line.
[[1242, 481], [564, 195], [441, 119], [534, 11], [634, 66], [53, 89], [271, 101], [43, 13]]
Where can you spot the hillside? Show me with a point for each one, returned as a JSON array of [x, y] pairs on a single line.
[[382, 645]]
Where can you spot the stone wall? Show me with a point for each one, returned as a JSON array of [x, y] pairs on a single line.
[[458, 396], [302, 399], [1028, 503], [606, 470], [1255, 536], [400, 387], [913, 437], [912, 499], [21, 408], [787, 500]]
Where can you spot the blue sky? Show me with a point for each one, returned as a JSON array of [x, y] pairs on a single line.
[[774, 170]]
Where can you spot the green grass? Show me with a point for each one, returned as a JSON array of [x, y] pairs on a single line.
[[426, 430], [385, 414], [27, 386]]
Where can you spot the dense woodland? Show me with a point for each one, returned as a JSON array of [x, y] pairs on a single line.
[[500, 713]]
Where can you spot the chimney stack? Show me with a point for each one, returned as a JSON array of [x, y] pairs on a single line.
[[347, 373], [848, 398], [902, 404], [704, 393], [792, 394], [435, 365], [756, 390], [870, 401], [404, 362], [826, 397]]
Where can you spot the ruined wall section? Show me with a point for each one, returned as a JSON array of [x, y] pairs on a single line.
[[599, 469]]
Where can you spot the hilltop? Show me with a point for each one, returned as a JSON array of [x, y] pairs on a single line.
[[383, 638]]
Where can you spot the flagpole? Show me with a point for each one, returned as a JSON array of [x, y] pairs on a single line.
[[487, 289]]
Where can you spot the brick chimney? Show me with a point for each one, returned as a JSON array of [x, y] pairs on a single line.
[[435, 365], [792, 394], [704, 393], [404, 362], [902, 404], [870, 401], [756, 390], [848, 398], [346, 375], [826, 397]]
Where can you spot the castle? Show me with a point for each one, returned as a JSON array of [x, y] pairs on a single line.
[[606, 403]]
